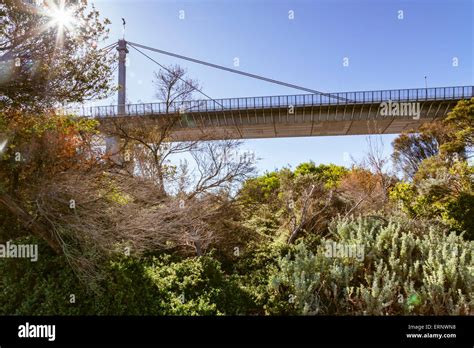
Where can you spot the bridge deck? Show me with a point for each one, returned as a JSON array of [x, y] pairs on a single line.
[[346, 113]]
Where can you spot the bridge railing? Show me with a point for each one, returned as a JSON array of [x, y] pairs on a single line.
[[282, 101]]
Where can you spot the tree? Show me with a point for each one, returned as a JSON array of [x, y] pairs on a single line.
[[330, 174], [40, 148], [460, 124], [156, 205], [442, 186], [285, 205], [260, 190], [45, 64], [366, 186], [451, 137], [173, 88], [410, 148], [148, 141], [362, 191]]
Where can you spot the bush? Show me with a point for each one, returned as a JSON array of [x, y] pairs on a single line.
[[404, 271], [253, 270], [330, 174], [131, 286], [196, 286], [440, 193], [41, 288]]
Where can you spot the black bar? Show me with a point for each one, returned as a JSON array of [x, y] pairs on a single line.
[[244, 330]]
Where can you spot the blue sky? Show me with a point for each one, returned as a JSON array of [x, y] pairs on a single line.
[[384, 52]]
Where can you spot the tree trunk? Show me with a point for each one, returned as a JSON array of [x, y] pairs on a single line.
[[29, 223], [197, 247]]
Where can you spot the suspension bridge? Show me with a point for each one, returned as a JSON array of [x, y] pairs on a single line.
[[314, 113]]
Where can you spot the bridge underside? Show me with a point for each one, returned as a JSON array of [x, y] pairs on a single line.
[[302, 121]]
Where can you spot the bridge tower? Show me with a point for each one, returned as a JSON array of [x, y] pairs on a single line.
[[122, 76], [112, 143]]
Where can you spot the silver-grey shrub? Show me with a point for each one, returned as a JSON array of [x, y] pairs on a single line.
[[407, 269]]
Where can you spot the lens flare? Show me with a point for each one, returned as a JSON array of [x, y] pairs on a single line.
[[61, 17], [3, 145]]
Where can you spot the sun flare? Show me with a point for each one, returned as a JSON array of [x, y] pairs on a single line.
[[61, 16]]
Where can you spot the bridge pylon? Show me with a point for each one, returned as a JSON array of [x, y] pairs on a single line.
[[112, 143]]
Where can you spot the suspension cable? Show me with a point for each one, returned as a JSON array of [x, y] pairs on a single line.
[[258, 77], [108, 47], [107, 51], [182, 80]]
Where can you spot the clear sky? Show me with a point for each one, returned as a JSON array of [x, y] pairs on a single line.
[[386, 49]]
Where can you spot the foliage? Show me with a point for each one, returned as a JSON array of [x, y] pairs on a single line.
[[262, 189], [460, 123], [43, 66], [193, 247], [284, 205], [363, 190], [147, 286], [330, 175], [405, 270], [57, 65], [411, 148], [40, 146], [441, 186], [253, 270], [450, 137], [440, 192]]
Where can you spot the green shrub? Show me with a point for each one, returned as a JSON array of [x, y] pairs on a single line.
[[40, 288], [131, 286], [253, 270], [329, 174], [440, 193], [406, 268], [196, 286]]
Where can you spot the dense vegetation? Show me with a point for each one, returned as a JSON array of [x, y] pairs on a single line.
[[142, 236], [410, 255]]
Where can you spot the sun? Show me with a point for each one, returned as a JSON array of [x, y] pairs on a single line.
[[61, 16]]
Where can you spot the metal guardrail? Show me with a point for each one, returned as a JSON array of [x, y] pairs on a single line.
[[284, 101]]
